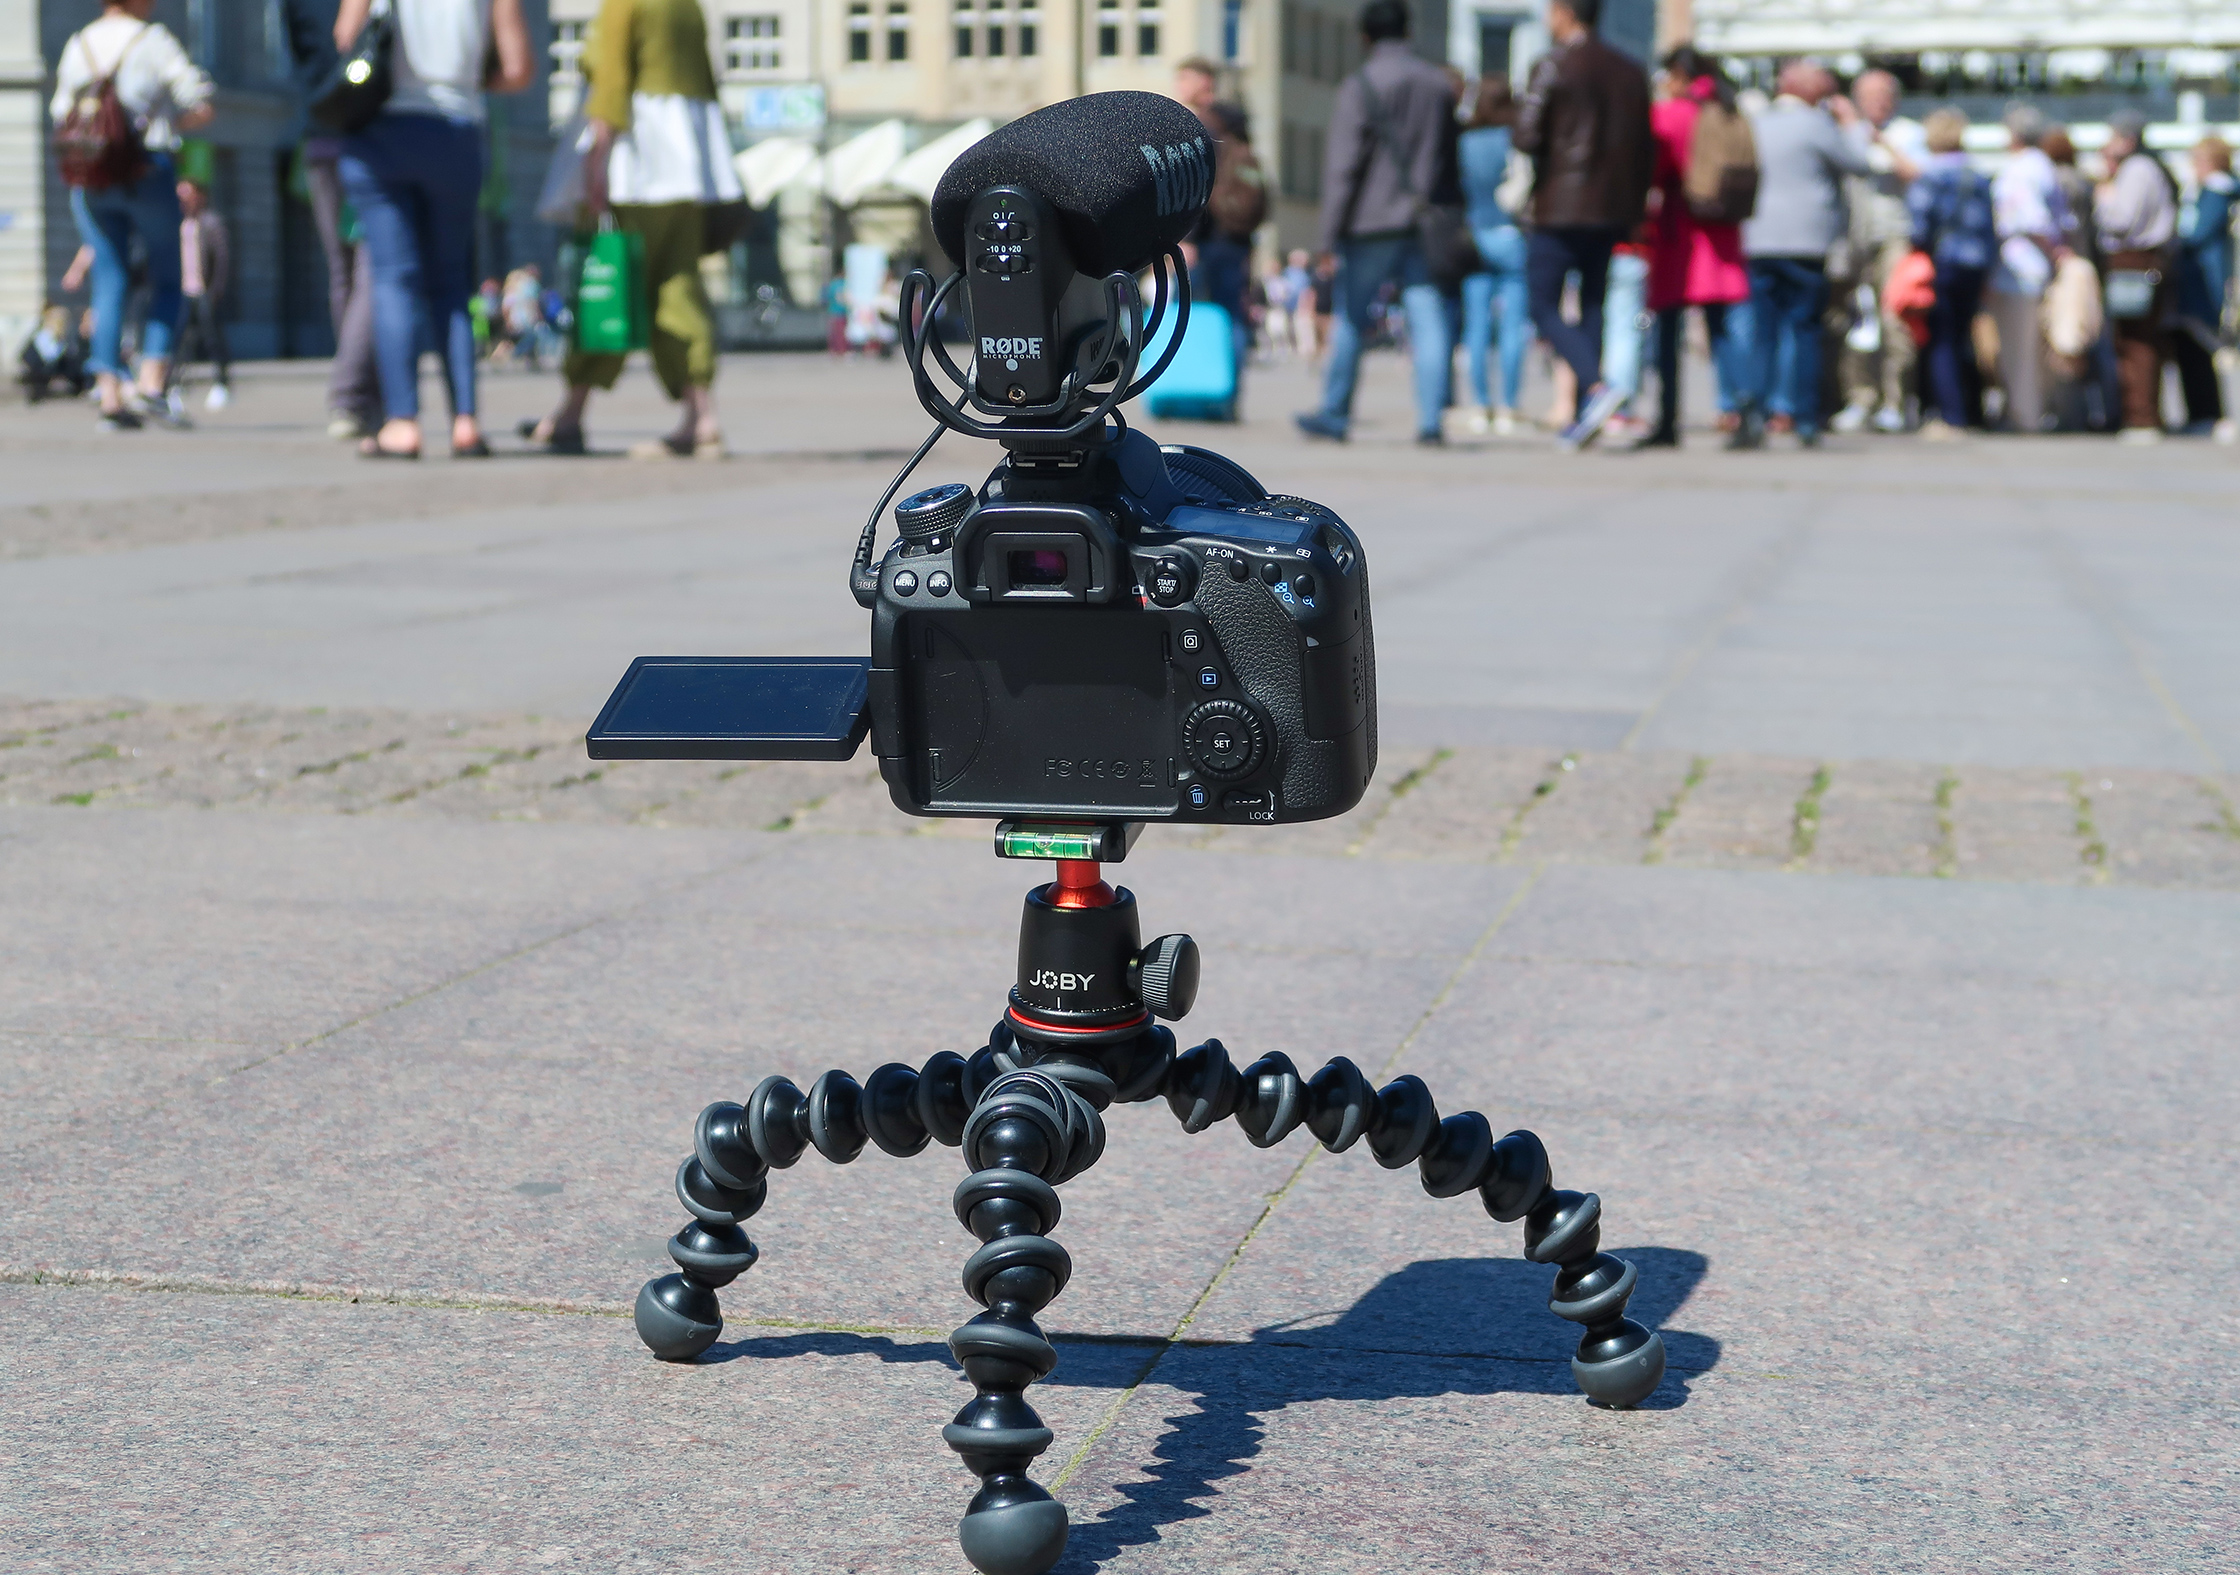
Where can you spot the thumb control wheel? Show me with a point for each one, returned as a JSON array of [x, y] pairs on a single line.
[[1224, 738]]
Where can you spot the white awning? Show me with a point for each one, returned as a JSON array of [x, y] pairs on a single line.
[[863, 162], [921, 172], [771, 165]]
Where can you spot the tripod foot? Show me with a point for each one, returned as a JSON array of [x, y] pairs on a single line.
[[1014, 1528], [677, 1319]]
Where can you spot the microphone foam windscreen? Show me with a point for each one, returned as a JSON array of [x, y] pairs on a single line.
[[1128, 174]]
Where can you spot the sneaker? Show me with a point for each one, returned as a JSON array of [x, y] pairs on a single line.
[[1888, 420], [218, 398], [1504, 422], [1473, 419], [167, 410], [1433, 439], [1936, 430], [345, 427], [1317, 425], [1851, 418], [1748, 432], [2139, 435], [2227, 431], [1602, 404], [120, 421]]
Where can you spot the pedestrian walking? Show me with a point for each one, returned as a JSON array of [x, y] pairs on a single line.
[[414, 173], [1696, 258], [2136, 209], [1803, 158], [1219, 248], [353, 378], [1584, 121], [2026, 207], [1877, 369], [2204, 282], [1496, 182], [1950, 204], [205, 272], [124, 90], [1390, 150], [658, 159]]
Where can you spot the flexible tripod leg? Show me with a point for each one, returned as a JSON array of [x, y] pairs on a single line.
[[725, 1179], [1030, 1130], [1618, 1362]]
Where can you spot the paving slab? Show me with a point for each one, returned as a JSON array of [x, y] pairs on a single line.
[[1254, 1458], [154, 1431]]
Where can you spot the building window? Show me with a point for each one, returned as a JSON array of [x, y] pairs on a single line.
[[995, 28], [1147, 28], [859, 32], [567, 50], [1030, 36], [750, 43], [1232, 29], [1108, 29], [898, 29], [964, 29]]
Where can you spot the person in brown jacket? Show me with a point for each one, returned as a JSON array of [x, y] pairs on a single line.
[[1584, 123]]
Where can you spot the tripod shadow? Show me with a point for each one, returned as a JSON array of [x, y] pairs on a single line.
[[1443, 1326]]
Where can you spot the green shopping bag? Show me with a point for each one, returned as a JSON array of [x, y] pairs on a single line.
[[611, 294]]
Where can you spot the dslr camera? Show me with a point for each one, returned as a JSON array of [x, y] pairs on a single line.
[[1104, 630]]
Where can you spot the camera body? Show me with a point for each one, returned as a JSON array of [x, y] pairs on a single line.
[[1155, 639], [1105, 631]]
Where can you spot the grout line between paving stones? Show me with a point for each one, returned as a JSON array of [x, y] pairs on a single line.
[[1756, 582], [1276, 1199]]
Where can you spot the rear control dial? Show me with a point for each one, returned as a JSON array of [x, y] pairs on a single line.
[[1224, 738]]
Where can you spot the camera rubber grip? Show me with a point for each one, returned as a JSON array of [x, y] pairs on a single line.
[[1267, 656]]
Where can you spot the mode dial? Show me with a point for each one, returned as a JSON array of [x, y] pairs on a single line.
[[1167, 976], [933, 512], [1224, 738]]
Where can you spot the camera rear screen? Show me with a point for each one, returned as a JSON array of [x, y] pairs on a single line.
[[1033, 709]]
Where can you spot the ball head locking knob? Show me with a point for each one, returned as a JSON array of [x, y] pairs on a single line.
[[1167, 976], [934, 512]]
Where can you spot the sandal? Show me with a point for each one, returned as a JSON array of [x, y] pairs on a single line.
[[478, 449], [371, 449]]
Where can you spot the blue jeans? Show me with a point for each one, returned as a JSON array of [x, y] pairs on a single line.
[[1624, 334], [1787, 297], [107, 221], [1551, 257], [1950, 357], [414, 180], [1728, 328], [1496, 299], [1364, 267], [1224, 271]]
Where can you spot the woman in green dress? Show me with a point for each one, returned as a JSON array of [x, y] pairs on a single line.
[[657, 157]]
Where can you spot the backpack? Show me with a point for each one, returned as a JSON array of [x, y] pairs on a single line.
[[1238, 204], [97, 144], [1721, 184]]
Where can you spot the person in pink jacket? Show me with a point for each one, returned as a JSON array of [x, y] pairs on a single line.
[[1693, 263]]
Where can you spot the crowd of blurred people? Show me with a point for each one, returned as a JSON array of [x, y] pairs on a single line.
[[1839, 266], [1852, 269]]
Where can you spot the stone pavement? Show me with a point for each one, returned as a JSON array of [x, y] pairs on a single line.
[[1830, 855]]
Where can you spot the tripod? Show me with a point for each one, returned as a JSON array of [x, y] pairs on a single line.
[[1027, 1109]]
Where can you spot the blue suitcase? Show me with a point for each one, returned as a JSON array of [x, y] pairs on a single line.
[[1201, 385]]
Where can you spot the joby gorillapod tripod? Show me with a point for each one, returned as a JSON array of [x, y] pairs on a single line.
[[1027, 1109]]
